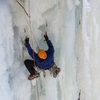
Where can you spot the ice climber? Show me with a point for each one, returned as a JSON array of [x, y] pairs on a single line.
[[44, 60]]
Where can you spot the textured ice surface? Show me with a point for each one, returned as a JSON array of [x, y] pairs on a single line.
[[6, 36], [88, 39], [73, 27], [61, 31]]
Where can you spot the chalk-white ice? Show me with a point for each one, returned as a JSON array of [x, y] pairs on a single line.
[[73, 27]]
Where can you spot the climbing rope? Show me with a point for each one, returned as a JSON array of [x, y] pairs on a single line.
[[27, 18], [28, 21], [37, 89], [37, 92]]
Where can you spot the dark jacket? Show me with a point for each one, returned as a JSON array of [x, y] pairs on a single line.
[[43, 64]]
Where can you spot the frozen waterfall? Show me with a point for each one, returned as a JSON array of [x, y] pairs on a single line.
[[73, 28]]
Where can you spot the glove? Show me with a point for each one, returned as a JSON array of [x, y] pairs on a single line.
[[45, 36], [26, 40]]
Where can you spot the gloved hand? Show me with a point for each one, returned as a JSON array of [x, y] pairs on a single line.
[[26, 40], [45, 36]]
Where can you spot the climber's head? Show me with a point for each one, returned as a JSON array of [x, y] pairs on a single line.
[[42, 54]]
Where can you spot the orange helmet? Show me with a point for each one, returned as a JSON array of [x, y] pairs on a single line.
[[42, 54]]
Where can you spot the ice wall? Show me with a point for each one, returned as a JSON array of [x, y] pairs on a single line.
[[64, 18], [88, 49], [6, 51], [60, 16]]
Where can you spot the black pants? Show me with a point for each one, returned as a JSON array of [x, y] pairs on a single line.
[[30, 66]]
